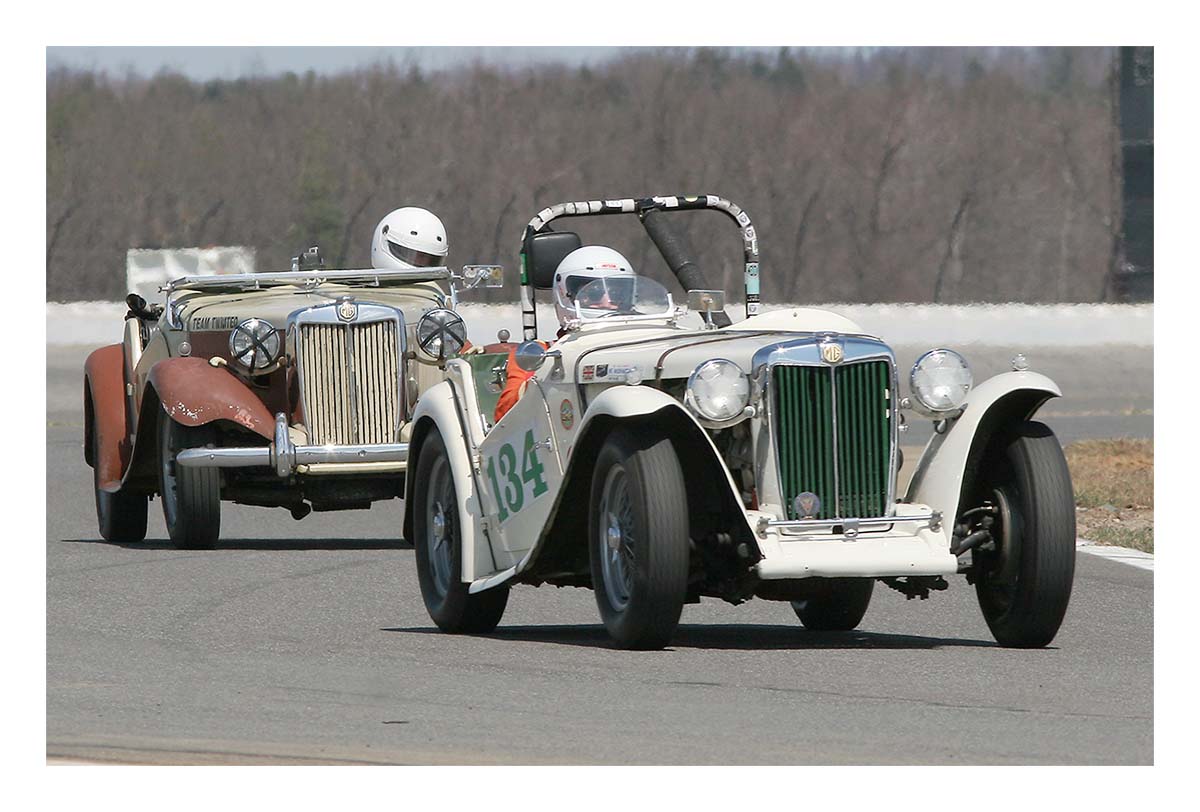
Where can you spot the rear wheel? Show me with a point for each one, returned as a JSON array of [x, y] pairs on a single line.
[[837, 605], [437, 539], [121, 515], [1023, 580], [191, 497], [638, 538]]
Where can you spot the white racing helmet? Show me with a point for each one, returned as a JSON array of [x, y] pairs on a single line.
[[409, 238], [577, 269]]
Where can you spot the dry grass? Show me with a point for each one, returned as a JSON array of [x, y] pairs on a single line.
[[1114, 491]]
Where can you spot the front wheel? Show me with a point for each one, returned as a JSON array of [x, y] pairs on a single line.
[[836, 606], [437, 537], [191, 497], [1023, 580], [638, 538]]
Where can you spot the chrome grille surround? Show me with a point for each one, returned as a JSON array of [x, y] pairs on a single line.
[[350, 374], [806, 351]]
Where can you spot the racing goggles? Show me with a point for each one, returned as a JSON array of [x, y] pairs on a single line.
[[412, 256]]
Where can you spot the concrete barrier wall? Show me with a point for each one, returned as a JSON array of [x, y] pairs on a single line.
[[1013, 325]]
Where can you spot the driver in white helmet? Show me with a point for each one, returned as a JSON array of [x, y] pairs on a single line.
[[574, 272], [409, 238]]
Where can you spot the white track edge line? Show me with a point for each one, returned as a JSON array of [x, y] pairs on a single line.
[[1123, 555]]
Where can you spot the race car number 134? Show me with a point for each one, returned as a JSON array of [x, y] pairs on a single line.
[[509, 480]]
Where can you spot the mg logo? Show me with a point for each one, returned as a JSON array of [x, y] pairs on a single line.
[[347, 310], [832, 353]]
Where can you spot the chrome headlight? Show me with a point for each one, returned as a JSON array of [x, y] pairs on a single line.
[[940, 381], [441, 333], [718, 391], [254, 344]]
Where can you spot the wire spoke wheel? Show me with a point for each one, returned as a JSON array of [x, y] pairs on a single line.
[[438, 544], [616, 538], [638, 538], [441, 529]]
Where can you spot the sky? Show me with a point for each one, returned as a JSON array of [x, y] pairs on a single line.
[[209, 62]]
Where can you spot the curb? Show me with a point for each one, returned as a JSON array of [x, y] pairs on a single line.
[[1124, 555]]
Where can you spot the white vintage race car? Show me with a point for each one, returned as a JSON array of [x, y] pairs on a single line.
[[657, 463]]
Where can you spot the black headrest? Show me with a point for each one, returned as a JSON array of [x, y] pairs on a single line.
[[543, 252]]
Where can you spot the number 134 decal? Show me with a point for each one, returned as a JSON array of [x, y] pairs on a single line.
[[503, 468]]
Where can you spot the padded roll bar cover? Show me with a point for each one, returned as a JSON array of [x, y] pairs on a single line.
[[678, 256], [544, 251]]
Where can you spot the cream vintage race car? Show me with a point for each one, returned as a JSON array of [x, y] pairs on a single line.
[[290, 389], [657, 463]]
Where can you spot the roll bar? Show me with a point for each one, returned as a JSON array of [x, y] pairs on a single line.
[[648, 209]]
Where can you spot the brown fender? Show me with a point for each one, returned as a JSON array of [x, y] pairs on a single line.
[[104, 413], [194, 393]]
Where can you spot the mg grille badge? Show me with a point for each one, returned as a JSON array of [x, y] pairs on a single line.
[[807, 505], [832, 353], [347, 310]]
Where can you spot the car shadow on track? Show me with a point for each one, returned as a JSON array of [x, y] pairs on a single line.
[[734, 637], [260, 544]]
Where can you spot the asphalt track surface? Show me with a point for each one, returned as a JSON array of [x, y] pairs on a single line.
[[307, 642]]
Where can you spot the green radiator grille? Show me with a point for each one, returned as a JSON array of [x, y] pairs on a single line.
[[805, 403]]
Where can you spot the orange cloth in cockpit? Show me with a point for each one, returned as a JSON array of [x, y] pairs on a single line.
[[515, 379]]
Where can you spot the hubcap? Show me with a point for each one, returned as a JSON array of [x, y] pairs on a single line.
[[616, 538]]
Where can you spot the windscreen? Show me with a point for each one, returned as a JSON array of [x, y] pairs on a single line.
[[622, 296]]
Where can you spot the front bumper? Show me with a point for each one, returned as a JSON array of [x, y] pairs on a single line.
[[285, 457], [912, 542]]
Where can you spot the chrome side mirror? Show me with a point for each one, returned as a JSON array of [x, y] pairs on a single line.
[[483, 276], [706, 302], [530, 355], [477, 276]]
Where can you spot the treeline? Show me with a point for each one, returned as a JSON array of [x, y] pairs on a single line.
[[915, 175]]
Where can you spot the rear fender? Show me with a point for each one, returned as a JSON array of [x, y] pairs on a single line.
[[950, 461], [713, 498], [104, 414], [439, 409]]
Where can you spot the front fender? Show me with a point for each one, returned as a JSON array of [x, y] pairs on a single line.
[[438, 409], [950, 460], [105, 421], [713, 499], [631, 401], [692, 443], [194, 393]]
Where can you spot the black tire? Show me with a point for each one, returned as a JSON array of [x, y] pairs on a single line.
[[191, 497], [1024, 585], [121, 516], [837, 606], [437, 543], [638, 539]]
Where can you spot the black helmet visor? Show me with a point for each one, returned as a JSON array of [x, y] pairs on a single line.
[[418, 259]]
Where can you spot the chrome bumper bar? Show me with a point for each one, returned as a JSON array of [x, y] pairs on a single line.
[[284, 456], [850, 527]]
